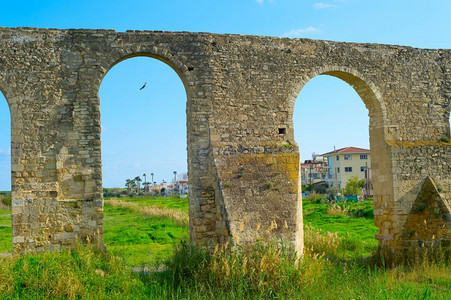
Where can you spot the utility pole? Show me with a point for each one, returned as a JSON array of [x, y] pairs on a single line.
[[311, 179], [366, 181]]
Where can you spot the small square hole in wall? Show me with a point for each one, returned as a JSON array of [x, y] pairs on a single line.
[[282, 130]]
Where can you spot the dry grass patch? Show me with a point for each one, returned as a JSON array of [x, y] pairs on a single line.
[[178, 217], [335, 210]]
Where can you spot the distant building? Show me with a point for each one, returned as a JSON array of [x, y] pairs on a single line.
[[314, 170], [177, 188], [344, 163], [182, 186]]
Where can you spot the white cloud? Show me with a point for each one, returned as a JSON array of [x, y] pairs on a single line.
[[303, 32], [321, 5], [123, 130], [5, 151], [261, 1]]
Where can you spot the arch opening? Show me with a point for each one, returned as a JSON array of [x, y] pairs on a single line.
[[144, 158], [5, 176], [340, 156]]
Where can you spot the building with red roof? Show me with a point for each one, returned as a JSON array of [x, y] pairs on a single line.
[[345, 163]]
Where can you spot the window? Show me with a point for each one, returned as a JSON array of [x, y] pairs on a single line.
[[362, 169], [348, 157], [338, 170], [338, 157], [348, 169], [363, 156]]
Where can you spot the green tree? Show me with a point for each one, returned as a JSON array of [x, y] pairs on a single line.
[[354, 186], [129, 184]]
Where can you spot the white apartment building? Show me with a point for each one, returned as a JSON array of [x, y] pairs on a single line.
[[347, 162]]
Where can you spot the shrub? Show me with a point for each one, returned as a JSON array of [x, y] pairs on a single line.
[[332, 193], [315, 198], [320, 188], [6, 201], [354, 186]]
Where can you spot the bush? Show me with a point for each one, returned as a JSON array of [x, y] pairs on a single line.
[[320, 188], [354, 186], [332, 193], [6, 200], [315, 198]]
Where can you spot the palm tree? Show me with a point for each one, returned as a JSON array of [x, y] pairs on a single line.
[[146, 186], [144, 183], [176, 188], [151, 174], [129, 184], [138, 183]]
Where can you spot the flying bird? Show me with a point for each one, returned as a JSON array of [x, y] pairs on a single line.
[[144, 85]]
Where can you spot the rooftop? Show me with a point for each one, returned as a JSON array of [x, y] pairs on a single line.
[[347, 150]]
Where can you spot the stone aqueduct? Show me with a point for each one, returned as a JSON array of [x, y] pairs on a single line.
[[240, 97]]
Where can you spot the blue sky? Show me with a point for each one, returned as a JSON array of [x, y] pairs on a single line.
[[144, 131]]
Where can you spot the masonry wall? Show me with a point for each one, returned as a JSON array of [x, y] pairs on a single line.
[[243, 162]]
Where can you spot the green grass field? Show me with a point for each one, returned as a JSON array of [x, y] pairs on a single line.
[[143, 240], [336, 238], [5, 230], [353, 223], [138, 239], [162, 202]]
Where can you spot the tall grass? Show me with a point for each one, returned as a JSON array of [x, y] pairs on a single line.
[[260, 271], [271, 271], [178, 217], [264, 270], [83, 273]]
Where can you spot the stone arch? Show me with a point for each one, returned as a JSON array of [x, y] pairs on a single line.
[[162, 55], [8, 169], [9, 96], [176, 67], [183, 73], [158, 100], [365, 88], [14, 122], [380, 160], [181, 69]]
